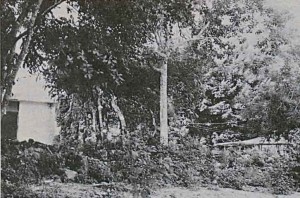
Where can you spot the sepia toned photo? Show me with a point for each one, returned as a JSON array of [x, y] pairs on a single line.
[[150, 98]]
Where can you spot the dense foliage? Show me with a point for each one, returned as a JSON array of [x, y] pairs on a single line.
[[147, 166], [226, 62], [231, 74]]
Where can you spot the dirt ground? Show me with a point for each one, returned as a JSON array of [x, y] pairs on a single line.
[[73, 190]]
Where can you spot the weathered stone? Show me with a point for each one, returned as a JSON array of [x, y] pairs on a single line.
[[70, 175]]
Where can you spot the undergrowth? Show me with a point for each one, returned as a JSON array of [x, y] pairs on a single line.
[[145, 166]]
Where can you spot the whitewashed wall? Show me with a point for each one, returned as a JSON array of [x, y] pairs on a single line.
[[30, 87], [36, 121]]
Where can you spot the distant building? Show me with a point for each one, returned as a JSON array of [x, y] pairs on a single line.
[[31, 111]]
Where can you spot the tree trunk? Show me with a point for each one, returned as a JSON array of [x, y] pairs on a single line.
[[10, 78], [94, 120], [119, 113], [164, 104], [100, 114], [153, 123], [99, 106]]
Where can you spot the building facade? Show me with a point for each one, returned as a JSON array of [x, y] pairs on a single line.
[[31, 111]]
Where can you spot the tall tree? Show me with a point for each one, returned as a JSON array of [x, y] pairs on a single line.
[[170, 35], [18, 24], [240, 54], [106, 45], [251, 50]]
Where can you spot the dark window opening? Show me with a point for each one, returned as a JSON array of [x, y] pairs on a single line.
[[9, 121]]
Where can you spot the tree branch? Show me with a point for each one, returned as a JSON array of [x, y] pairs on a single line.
[[21, 35], [198, 37], [43, 14], [15, 29], [20, 60], [157, 69], [161, 54], [204, 28]]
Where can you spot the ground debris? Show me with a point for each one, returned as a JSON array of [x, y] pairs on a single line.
[[118, 190], [76, 190]]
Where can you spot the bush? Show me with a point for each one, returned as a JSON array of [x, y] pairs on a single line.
[[72, 160], [147, 165], [28, 162], [9, 190], [186, 164], [190, 163], [253, 167]]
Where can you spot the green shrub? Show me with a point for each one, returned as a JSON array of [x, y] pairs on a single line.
[[253, 167], [9, 190], [186, 164], [72, 160], [29, 162]]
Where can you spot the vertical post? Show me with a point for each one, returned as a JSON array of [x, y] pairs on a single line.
[[94, 120], [164, 104]]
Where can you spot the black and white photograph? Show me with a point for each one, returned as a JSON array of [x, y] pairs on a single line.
[[150, 98]]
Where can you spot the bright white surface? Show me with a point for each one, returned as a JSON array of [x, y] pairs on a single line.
[[30, 87], [293, 8], [36, 121], [215, 193], [254, 141]]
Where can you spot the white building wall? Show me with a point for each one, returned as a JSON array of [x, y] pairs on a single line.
[[37, 121], [30, 87]]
